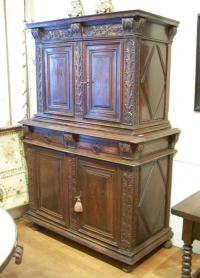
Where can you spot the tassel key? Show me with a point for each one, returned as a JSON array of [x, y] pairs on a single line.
[[78, 205]]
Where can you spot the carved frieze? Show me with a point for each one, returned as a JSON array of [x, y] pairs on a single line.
[[103, 30], [129, 81], [74, 31]]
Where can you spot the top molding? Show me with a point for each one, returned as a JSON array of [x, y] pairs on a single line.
[[96, 19]]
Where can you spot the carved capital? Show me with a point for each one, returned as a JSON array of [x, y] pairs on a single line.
[[37, 33], [171, 32], [127, 23]]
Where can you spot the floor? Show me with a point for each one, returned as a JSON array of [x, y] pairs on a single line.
[[47, 255]]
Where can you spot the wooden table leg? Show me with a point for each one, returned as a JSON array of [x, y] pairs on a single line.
[[187, 261]]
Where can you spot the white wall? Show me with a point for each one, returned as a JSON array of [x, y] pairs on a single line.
[[186, 172]]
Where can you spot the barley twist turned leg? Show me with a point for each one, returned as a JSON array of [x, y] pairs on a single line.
[[187, 261]]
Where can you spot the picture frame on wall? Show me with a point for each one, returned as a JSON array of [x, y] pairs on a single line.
[[197, 82]]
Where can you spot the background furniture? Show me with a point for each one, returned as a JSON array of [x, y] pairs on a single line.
[[8, 240], [100, 148], [189, 210]]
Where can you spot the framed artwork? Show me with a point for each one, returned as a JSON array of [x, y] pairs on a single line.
[[197, 83]]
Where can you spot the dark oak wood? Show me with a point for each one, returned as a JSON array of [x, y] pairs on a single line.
[[189, 210], [100, 148]]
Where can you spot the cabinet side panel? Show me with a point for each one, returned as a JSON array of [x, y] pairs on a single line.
[[153, 190]]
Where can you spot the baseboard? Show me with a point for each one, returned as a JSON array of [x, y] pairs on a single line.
[[18, 211]]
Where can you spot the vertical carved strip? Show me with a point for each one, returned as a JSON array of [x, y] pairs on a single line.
[[30, 163], [78, 71], [128, 188], [39, 79], [72, 192], [129, 81]]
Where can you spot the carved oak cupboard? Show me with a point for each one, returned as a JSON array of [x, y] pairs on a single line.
[[100, 148]]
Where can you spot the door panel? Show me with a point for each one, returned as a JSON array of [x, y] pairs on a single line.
[[51, 185], [102, 81], [99, 188], [59, 80]]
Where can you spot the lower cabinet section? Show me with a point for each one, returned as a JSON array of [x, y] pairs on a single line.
[[125, 209]]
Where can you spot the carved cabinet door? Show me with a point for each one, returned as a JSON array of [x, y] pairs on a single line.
[[98, 185], [49, 187], [58, 85], [102, 80]]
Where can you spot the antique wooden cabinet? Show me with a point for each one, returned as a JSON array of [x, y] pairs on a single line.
[[101, 140]]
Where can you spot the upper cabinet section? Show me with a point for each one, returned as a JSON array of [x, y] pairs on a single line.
[[110, 70]]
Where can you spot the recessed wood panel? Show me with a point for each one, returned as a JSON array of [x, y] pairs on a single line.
[[153, 78], [51, 185], [59, 80], [102, 81], [99, 189]]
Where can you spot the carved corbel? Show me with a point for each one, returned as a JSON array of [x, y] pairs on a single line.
[[70, 140], [76, 28], [138, 148], [125, 149], [173, 140], [171, 32], [135, 25], [37, 33]]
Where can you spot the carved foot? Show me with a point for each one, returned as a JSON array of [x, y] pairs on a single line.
[[168, 244], [18, 253], [35, 227], [187, 261], [127, 268]]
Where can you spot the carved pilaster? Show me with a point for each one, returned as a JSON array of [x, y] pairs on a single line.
[[39, 79], [30, 162], [73, 191], [128, 184], [129, 81], [78, 72]]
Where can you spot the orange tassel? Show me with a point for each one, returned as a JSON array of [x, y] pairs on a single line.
[[78, 205]]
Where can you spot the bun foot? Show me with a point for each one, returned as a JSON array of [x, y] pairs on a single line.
[[35, 227], [168, 244], [127, 268]]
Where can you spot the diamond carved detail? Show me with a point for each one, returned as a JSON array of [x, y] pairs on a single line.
[[152, 200], [153, 83]]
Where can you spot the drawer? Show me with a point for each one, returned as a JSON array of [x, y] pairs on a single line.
[[48, 136]]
